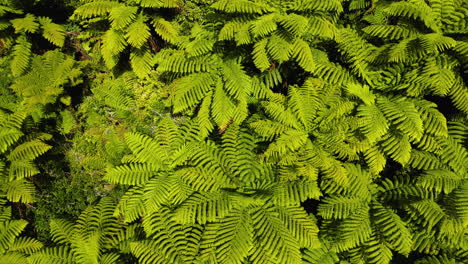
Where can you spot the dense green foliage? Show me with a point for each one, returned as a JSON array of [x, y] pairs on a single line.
[[234, 131]]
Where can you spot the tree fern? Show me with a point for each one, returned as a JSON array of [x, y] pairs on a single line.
[[87, 240], [14, 249], [128, 26]]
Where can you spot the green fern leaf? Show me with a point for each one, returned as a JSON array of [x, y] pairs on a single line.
[[339, 207], [440, 180], [354, 230], [158, 3], [317, 5], [142, 62], [295, 24], [241, 6], [303, 227], [260, 56], [20, 191], [319, 255], [280, 49], [131, 174], [302, 53], [404, 115], [54, 33], [393, 229], [8, 136], [28, 150], [373, 122], [95, 8], [27, 24], [52, 255], [21, 55], [264, 25], [25, 245], [122, 16], [166, 30], [10, 230], [61, 230], [190, 90], [113, 42], [137, 33]]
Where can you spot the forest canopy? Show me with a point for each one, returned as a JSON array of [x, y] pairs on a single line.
[[233, 131]]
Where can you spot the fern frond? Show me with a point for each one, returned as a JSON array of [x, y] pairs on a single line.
[[373, 251], [131, 205], [322, 28], [428, 211], [280, 49], [373, 122], [317, 5], [454, 154], [424, 160], [8, 136], [28, 150], [295, 192], [26, 245], [319, 255], [137, 33], [9, 231], [158, 3], [54, 33], [391, 32], [13, 257], [339, 207], [131, 174], [354, 230], [459, 96], [52, 255], [61, 230], [166, 30], [236, 82], [301, 226], [403, 114], [20, 169], [142, 61], [27, 24], [20, 191], [190, 90], [200, 46], [440, 180], [260, 55], [417, 10], [122, 16], [204, 207], [96, 8], [393, 229], [302, 53], [21, 55], [397, 146], [241, 6], [375, 159], [177, 62], [264, 25], [113, 42], [223, 107], [274, 237]]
